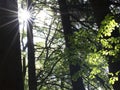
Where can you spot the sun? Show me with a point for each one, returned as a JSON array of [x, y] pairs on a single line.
[[24, 15]]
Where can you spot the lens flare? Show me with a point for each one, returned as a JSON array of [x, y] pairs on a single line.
[[24, 15]]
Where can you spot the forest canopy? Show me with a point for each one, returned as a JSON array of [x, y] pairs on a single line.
[[60, 45]]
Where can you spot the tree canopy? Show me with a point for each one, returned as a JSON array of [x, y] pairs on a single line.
[[65, 44]]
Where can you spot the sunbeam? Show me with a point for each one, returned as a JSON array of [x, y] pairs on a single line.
[[11, 14], [10, 22], [24, 15]]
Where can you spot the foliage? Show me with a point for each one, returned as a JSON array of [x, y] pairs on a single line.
[[94, 64], [90, 48], [87, 44], [110, 44]]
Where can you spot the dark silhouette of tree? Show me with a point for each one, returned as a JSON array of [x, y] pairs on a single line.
[[68, 32], [101, 9], [31, 57], [10, 54]]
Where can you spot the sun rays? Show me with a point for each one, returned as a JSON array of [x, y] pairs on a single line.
[[15, 18], [8, 14], [22, 15]]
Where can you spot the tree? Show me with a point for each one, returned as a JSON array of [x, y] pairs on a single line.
[[68, 32], [101, 10], [31, 57], [84, 40], [82, 60], [10, 54]]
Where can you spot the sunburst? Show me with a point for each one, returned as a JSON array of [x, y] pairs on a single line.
[[24, 15], [12, 13]]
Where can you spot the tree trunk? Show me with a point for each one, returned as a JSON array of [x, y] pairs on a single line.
[[68, 32], [10, 54], [101, 9], [31, 57]]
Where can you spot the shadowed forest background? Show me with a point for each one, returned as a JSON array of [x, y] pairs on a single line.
[[59, 45]]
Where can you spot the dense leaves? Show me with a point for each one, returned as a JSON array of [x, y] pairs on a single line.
[[90, 46]]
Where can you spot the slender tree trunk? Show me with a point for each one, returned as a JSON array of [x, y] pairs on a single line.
[[31, 57], [10, 56], [101, 9], [68, 32]]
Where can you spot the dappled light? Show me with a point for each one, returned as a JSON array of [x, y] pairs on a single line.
[[60, 44]]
